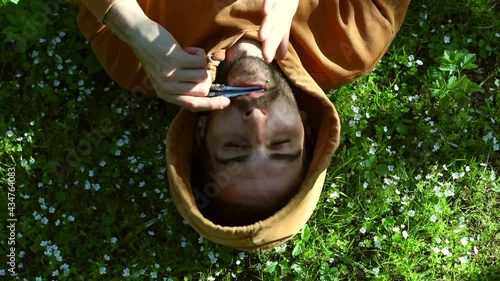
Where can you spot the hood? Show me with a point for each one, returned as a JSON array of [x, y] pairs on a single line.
[[288, 221]]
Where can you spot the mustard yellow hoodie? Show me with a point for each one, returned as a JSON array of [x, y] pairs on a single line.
[[332, 42]]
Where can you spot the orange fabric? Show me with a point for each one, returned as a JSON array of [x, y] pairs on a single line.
[[332, 42]]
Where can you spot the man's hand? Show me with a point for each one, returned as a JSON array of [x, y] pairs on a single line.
[[178, 75], [275, 29]]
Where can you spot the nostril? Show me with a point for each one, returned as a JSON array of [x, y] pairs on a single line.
[[248, 112]]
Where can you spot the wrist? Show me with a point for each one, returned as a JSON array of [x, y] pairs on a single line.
[[125, 20]]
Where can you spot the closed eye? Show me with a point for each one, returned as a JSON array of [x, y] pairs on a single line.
[[280, 142]]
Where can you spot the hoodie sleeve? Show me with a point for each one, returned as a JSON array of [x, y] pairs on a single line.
[[99, 8], [340, 40]]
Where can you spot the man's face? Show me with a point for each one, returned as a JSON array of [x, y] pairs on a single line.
[[262, 133]]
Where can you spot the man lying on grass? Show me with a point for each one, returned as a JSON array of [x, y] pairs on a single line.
[[245, 172]]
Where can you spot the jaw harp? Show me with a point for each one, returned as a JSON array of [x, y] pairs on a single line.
[[232, 91]]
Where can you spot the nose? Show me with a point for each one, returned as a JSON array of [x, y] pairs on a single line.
[[256, 119]]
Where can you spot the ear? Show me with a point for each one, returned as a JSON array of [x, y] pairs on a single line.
[[199, 133]]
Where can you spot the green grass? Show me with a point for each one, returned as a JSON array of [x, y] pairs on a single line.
[[413, 192]]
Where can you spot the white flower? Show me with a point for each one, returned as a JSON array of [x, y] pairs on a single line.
[[102, 163], [118, 152], [434, 218], [411, 57], [405, 234], [372, 150], [355, 109], [445, 251], [102, 270], [446, 39], [411, 213], [449, 192], [375, 271], [358, 134], [419, 62], [91, 173], [396, 87], [362, 230], [106, 257], [395, 229], [464, 241], [463, 259], [114, 240], [390, 167], [9, 133]]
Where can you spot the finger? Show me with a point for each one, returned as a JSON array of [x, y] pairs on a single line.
[[283, 47], [196, 58], [201, 103], [268, 6], [267, 26], [175, 87], [190, 75]]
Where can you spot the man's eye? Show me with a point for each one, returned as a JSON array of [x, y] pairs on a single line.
[[236, 145], [280, 142]]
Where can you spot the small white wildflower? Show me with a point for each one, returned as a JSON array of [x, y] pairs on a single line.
[[445, 251], [411, 57], [390, 167], [114, 240], [405, 234], [361, 244], [365, 185], [436, 249], [411, 213], [375, 271], [372, 150], [449, 192], [358, 134], [362, 230], [91, 173], [446, 39], [464, 241], [102, 270], [350, 204], [118, 152], [395, 229], [107, 258], [436, 147], [355, 109], [9, 133], [434, 218], [334, 195], [126, 272], [102, 163], [463, 259], [396, 87], [419, 62]]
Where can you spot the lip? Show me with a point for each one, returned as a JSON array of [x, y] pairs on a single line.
[[249, 84]]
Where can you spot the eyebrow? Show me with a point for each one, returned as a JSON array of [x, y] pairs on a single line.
[[288, 157]]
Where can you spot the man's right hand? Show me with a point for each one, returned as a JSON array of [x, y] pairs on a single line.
[[178, 75]]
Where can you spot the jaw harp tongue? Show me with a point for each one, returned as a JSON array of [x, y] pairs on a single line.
[[232, 91]]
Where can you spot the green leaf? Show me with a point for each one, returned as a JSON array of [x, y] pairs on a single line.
[[271, 268], [305, 233], [448, 68], [472, 87], [382, 169], [298, 249]]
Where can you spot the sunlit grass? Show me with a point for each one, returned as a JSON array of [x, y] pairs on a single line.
[[413, 193]]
